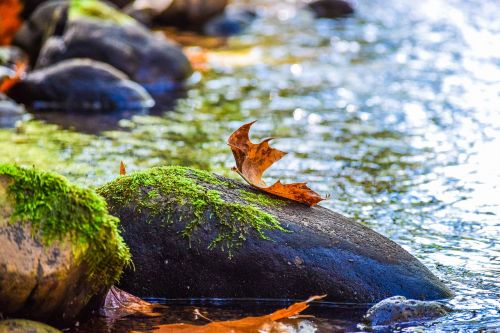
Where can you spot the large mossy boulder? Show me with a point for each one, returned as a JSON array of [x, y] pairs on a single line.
[[60, 250], [195, 234]]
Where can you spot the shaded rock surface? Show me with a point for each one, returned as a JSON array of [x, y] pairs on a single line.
[[44, 19], [25, 326], [60, 250], [193, 234], [80, 84], [398, 309], [331, 8]]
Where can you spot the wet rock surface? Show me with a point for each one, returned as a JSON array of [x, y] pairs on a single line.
[[25, 326], [60, 250], [398, 309], [192, 234], [80, 84]]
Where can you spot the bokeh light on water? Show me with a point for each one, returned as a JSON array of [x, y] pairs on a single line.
[[394, 112]]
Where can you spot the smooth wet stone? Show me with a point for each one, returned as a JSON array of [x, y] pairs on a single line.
[[60, 249], [331, 8], [80, 84], [398, 309], [192, 234], [25, 326]]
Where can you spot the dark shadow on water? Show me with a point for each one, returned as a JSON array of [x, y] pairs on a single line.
[[91, 122]]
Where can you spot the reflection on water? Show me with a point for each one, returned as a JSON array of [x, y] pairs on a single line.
[[393, 112]]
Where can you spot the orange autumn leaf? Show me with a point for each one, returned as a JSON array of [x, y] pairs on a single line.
[[119, 303], [252, 160], [9, 20], [264, 324], [123, 171], [20, 70]]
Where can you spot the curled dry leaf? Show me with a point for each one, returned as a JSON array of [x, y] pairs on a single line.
[[119, 303], [264, 324], [252, 160]]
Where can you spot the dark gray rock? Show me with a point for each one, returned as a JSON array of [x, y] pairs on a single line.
[[192, 234], [148, 59], [398, 309], [44, 19], [331, 8], [80, 84]]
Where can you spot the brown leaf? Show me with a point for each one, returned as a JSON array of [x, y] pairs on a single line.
[[252, 160], [264, 324], [119, 303], [123, 171]]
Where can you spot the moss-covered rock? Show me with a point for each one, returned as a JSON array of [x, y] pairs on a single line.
[[60, 247], [196, 234], [25, 326]]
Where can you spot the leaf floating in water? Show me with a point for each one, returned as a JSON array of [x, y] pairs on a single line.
[[263, 324], [123, 171], [252, 160], [119, 303]]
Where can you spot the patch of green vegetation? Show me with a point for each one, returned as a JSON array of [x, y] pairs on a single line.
[[95, 9], [59, 210], [183, 194], [261, 199]]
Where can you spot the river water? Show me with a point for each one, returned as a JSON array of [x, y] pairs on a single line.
[[393, 112]]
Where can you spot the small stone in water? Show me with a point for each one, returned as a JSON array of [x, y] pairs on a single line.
[[398, 309]]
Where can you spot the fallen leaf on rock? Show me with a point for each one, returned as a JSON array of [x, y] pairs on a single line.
[[119, 303], [252, 160], [9, 20], [123, 171], [264, 324]]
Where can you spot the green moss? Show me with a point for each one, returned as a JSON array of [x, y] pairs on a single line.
[[58, 210], [95, 9], [261, 199], [184, 194]]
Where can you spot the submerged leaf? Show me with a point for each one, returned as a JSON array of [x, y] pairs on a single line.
[[252, 160], [264, 324], [119, 303]]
